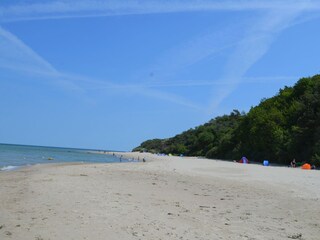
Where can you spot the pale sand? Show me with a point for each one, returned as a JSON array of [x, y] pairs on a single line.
[[164, 198]]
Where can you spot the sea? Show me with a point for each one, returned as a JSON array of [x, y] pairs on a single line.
[[15, 156]]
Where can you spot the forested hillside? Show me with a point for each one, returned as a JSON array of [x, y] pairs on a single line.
[[280, 128]]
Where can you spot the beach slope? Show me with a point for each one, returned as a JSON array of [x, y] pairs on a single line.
[[162, 198]]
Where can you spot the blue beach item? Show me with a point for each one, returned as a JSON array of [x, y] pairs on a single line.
[[265, 163]]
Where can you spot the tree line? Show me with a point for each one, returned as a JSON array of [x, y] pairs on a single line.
[[279, 129]]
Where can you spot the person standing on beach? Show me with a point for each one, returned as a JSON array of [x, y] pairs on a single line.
[[293, 163]]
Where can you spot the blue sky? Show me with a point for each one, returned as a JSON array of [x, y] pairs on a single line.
[[111, 74]]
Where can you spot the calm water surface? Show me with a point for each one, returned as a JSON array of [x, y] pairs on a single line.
[[12, 156]]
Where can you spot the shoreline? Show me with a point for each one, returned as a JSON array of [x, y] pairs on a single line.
[[130, 157], [9, 168], [163, 198]]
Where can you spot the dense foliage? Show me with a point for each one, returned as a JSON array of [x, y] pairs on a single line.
[[280, 128]]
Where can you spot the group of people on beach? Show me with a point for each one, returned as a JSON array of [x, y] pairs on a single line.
[[293, 164], [121, 157]]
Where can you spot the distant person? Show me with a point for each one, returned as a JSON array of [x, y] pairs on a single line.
[[121, 158], [143, 160], [293, 163]]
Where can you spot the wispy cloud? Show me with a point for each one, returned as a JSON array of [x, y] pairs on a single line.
[[253, 47], [188, 53], [91, 84], [219, 82], [18, 56], [277, 16], [94, 8]]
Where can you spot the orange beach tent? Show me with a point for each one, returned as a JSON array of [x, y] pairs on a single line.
[[306, 166]]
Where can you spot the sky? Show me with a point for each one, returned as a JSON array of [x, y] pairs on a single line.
[[112, 74]]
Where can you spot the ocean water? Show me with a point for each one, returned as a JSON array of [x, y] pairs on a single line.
[[13, 156]]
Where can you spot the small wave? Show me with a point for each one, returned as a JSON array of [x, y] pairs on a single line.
[[8, 168]]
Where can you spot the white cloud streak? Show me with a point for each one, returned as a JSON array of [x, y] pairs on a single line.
[[190, 53], [16, 55], [250, 49], [91, 84], [219, 82], [256, 43], [94, 8]]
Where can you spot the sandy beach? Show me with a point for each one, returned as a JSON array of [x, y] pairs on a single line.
[[163, 198]]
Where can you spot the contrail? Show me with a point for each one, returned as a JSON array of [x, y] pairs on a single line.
[[85, 8], [256, 43], [16, 55], [279, 15]]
